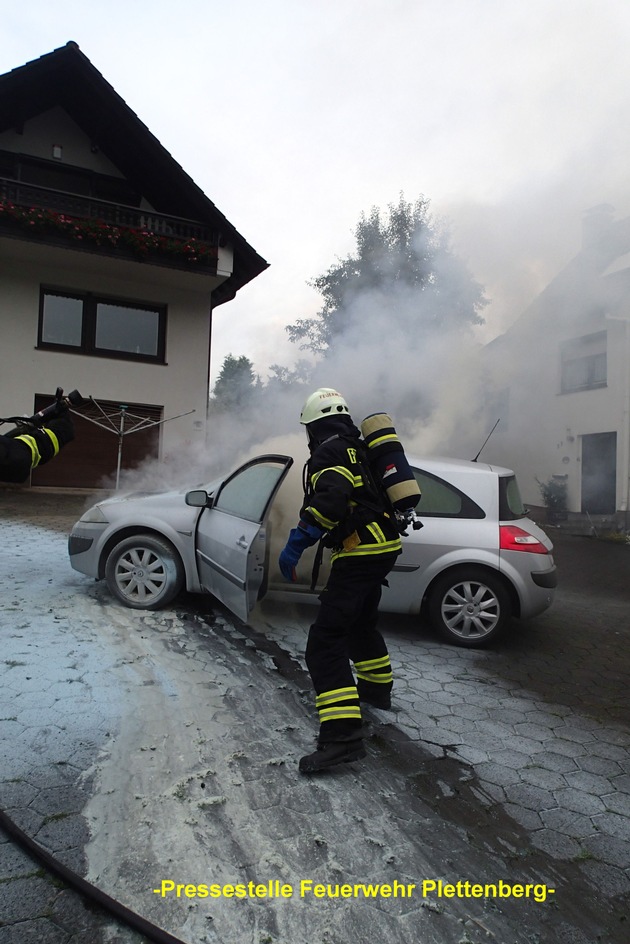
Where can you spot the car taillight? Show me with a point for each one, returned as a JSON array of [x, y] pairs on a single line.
[[512, 538]]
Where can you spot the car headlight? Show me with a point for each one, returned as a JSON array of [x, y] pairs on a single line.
[[94, 516]]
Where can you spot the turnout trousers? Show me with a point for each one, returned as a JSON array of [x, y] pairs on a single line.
[[345, 632]]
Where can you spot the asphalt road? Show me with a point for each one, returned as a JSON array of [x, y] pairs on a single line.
[[579, 651]]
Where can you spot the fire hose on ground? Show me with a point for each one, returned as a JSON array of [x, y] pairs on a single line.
[[85, 888]]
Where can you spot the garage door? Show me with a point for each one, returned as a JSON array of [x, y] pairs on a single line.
[[90, 461]]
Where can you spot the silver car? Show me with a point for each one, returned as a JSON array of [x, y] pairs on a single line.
[[476, 562]]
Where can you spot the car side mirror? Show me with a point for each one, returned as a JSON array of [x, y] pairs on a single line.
[[198, 498]]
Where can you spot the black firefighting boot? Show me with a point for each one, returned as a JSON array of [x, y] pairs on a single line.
[[331, 753]]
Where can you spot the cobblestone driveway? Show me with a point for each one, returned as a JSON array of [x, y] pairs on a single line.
[[173, 738]]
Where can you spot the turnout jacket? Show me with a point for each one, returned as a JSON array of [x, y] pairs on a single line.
[[24, 448], [340, 499]]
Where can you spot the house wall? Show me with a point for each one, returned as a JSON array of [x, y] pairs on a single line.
[[30, 261], [55, 127], [180, 385], [541, 432]]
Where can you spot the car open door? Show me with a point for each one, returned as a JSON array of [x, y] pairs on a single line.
[[232, 534]]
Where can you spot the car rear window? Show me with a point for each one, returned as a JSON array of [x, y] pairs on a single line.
[[510, 502], [442, 500]]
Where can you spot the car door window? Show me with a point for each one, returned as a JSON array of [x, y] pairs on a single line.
[[439, 499], [247, 493]]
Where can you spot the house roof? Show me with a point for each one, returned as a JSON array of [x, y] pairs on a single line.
[[67, 78]]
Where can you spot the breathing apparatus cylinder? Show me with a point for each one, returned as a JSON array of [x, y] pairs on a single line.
[[387, 458]]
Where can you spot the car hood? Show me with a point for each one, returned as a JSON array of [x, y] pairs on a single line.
[[144, 497], [153, 498], [147, 507]]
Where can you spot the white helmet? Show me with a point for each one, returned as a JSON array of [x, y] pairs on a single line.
[[324, 402]]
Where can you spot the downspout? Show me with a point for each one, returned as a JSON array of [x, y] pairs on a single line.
[[210, 314], [625, 422], [626, 451]]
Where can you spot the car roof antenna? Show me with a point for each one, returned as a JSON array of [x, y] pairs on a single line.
[[486, 439]]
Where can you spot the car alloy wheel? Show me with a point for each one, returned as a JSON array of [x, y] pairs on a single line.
[[144, 572], [470, 608]]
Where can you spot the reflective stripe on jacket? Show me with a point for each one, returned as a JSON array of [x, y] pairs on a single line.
[[31, 442], [340, 500]]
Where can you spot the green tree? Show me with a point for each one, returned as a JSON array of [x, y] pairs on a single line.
[[235, 386], [404, 263], [282, 378]]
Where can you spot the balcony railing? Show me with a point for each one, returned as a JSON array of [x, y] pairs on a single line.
[[61, 218], [115, 214]]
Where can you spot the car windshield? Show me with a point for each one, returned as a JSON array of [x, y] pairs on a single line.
[[510, 502]]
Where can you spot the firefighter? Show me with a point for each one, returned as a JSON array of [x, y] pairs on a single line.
[[342, 507], [28, 446]]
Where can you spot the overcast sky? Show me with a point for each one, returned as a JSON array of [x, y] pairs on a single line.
[[294, 116]]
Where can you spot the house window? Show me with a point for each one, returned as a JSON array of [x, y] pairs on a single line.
[[583, 363], [101, 327]]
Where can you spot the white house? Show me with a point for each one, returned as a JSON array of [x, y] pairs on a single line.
[[112, 261], [559, 379]]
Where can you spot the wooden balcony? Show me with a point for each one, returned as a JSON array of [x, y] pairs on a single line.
[[60, 218]]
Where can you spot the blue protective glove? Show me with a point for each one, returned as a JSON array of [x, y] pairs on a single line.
[[305, 535]]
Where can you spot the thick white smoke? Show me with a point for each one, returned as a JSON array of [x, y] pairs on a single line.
[[443, 389], [384, 361]]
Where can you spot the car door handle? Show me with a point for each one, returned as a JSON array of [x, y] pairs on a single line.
[[242, 542]]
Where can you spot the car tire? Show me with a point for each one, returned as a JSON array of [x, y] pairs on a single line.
[[470, 607], [144, 572]]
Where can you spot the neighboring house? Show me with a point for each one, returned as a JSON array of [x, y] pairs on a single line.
[[560, 379], [111, 263]]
